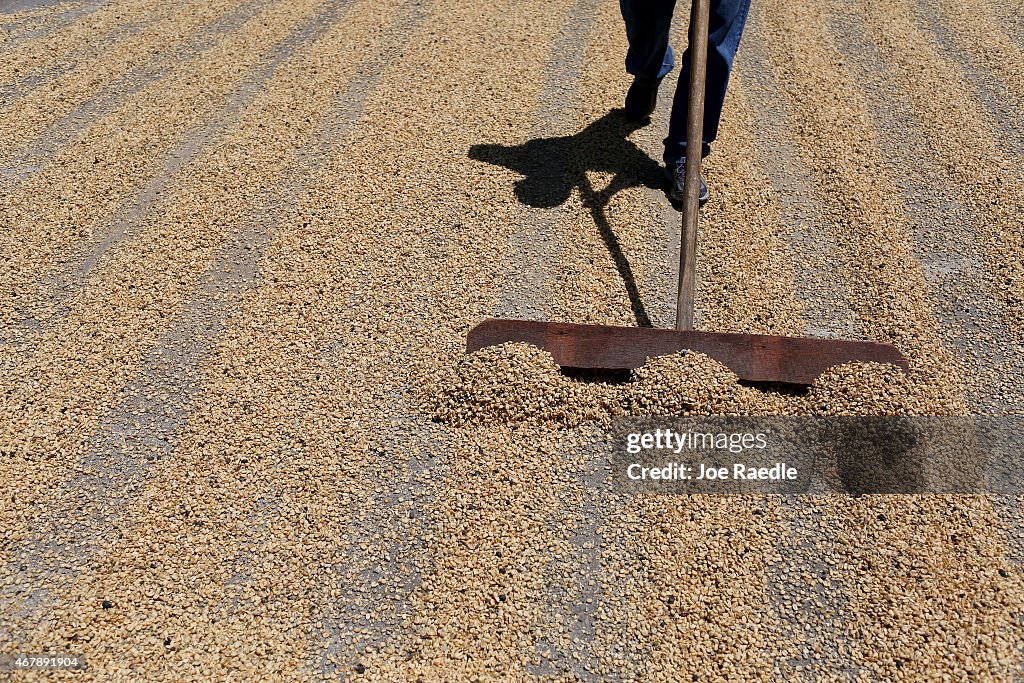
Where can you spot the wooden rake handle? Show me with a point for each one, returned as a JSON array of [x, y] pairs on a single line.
[[694, 150]]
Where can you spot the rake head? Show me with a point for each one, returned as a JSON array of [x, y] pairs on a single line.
[[753, 357]]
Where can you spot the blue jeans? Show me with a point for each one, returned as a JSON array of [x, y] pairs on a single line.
[[650, 57]]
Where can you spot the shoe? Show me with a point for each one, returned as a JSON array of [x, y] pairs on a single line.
[[641, 98], [676, 175]]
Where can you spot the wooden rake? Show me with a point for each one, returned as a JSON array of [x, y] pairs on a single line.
[[753, 357]]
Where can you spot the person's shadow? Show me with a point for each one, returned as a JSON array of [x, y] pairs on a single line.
[[553, 167]]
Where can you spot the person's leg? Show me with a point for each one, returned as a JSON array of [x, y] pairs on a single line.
[[725, 28], [649, 56], [648, 22]]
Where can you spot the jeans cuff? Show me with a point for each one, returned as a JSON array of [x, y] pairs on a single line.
[[675, 152]]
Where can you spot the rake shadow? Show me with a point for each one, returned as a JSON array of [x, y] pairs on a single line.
[[553, 167]]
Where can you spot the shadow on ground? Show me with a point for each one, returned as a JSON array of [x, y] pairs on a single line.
[[553, 167]]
